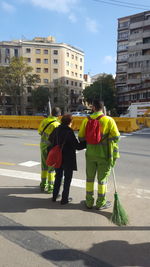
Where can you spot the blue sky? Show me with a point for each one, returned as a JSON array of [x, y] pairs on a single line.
[[90, 25]]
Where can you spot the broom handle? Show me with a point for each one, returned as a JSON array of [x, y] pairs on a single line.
[[114, 179]]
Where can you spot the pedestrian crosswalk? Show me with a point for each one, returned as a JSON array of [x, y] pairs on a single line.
[[136, 192], [29, 163]]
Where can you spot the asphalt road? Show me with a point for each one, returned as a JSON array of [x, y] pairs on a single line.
[[21, 146], [37, 232]]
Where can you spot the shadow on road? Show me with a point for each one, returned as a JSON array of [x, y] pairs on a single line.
[[11, 200], [120, 253]]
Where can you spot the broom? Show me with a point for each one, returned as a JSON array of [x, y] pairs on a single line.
[[119, 215]]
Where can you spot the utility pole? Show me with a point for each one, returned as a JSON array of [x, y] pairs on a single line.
[[101, 88]]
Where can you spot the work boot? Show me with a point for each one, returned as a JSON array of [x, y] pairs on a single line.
[[107, 205], [42, 185], [50, 188], [89, 202]]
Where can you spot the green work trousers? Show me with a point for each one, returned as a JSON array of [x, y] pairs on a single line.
[[47, 173], [100, 166]]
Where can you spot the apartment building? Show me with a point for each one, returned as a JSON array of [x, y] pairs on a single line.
[[133, 60], [58, 65]]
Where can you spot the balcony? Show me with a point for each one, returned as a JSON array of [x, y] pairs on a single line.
[[139, 24], [139, 58], [134, 70], [139, 47], [133, 81]]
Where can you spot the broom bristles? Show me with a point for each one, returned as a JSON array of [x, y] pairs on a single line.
[[119, 215]]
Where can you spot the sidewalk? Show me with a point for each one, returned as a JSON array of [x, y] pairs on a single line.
[[37, 232]]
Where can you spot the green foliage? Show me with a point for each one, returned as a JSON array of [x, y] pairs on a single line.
[[102, 89], [40, 98], [14, 79]]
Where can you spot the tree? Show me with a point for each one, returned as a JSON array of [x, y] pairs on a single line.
[[102, 89], [40, 97], [18, 75], [60, 96], [3, 85]]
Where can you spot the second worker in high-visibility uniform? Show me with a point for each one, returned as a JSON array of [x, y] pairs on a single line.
[[45, 129], [100, 157]]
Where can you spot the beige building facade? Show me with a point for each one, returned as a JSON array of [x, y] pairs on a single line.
[[60, 67]]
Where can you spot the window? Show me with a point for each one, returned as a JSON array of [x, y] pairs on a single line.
[[45, 51], [123, 35], [38, 70], [28, 50], [67, 72], [76, 58], [72, 56], [72, 73], [67, 54], [45, 80], [29, 90], [80, 75], [76, 74], [123, 24], [45, 61], [67, 81], [122, 57], [76, 83], [71, 82], [38, 51], [28, 59], [80, 84], [38, 60], [80, 67], [16, 52], [80, 59], [29, 99], [7, 60], [55, 99], [55, 52], [46, 70], [67, 63], [55, 70], [39, 80], [76, 66], [146, 40], [55, 61]]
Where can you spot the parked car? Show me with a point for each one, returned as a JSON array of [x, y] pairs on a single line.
[[78, 114], [41, 114]]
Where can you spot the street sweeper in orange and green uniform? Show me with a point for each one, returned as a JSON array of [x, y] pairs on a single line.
[[100, 157]]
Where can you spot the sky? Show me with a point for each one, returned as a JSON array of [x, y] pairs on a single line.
[[90, 25]]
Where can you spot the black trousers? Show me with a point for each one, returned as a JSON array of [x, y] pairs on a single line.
[[67, 181]]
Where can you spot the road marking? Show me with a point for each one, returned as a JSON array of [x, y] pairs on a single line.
[[138, 192], [7, 163], [26, 144], [20, 174], [29, 163]]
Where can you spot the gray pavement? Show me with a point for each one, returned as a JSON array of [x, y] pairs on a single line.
[[34, 231]]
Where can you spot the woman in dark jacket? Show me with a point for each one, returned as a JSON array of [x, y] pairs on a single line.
[[65, 137]]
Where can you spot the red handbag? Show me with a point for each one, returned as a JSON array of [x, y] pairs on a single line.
[[54, 158]]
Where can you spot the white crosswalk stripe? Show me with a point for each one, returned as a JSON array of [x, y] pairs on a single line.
[[138, 192], [29, 163]]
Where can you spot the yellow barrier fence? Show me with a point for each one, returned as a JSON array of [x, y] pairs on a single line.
[[147, 122], [32, 122]]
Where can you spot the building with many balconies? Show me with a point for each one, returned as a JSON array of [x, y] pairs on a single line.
[[133, 60], [57, 64]]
